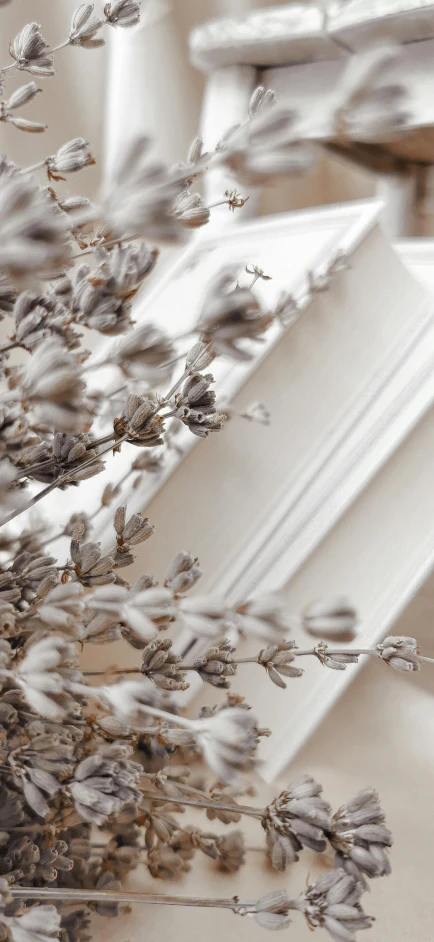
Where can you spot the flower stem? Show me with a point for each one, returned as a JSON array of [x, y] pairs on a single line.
[[331, 652], [34, 167], [13, 345], [105, 896], [184, 376], [8, 68], [126, 670], [51, 487], [106, 245], [63, 45], [198, 803]]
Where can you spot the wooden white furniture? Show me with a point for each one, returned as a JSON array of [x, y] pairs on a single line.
[[301, 50], [353, 517], [335, 495]]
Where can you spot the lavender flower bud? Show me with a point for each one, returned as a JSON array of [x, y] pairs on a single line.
[[337, 662], [33, 235], [29, 50], [298, 817], [203, 615], [145, 354], [277, 660], [163, 666], [330, 618], [199, 357], [216, 664], [272, 911], [72, 156], [359, 836], [183, 573], [104, 783], [196, 150], [140, 423], [261, 98], [21, 96], [122, 12], [191, 210], [228, 741], [400, 653], [264, 616], [54, 388], [84, 28], [333, 902]]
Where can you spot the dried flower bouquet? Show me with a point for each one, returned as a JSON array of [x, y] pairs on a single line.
[[114, 758]]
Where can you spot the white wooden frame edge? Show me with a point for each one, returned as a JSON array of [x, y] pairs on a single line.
[[328, 689], [362, 216], [375, 428]]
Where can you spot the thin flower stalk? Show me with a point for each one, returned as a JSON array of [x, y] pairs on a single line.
[[213, 805], [77, 896], [51, 487]]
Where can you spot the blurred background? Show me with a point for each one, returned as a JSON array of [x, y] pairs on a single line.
[[162, 95]]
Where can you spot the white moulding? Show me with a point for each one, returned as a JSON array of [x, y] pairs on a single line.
[[395, 398], [309, 239], [405, 564]]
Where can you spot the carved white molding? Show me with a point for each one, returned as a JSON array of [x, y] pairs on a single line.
[[304, 522], [268, 37], [174, 299], [401, 585], [306, 32], [396, 401], [355, 22], [396, 396], [406, 571]]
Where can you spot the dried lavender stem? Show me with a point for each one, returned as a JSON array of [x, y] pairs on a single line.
[[97, 693], [95, 896], [242, 660], [60, 46], [182, 667], [51, 487], [331, 652], [10, 346], [184, 376], [33, 167], [219, 203], [175, 388], [126, 670], [216, 805], [106, 245], [42, 465], [109, 438]]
